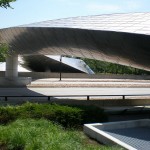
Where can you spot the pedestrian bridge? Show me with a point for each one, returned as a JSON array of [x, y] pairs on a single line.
[[117, 38]]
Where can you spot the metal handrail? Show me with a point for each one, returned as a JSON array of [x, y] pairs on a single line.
[[87, 96]]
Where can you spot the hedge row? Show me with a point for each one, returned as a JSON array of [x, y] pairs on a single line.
[[64, 115], [106, 67]]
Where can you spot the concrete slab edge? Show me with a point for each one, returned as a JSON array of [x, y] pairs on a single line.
[[105, 138]]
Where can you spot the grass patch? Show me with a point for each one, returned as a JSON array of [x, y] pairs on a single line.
[[31, 134], [69, 117]]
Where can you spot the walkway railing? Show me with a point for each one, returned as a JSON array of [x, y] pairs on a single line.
[[87, 96]]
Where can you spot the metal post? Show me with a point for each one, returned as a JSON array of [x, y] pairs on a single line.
[[60, 69], [49, 98], [5, 98], [88, 98], [123, 96]]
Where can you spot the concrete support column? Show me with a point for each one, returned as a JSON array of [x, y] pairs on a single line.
[[11, 66], [11, 78]]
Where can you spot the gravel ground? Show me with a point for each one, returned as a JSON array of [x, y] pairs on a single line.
[[89, 83]]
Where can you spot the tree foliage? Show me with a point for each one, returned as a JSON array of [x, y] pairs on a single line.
[[4, 50], [106, 67], [6, 3]]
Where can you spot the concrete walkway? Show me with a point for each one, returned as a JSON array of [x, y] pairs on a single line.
[[68, 82], [73, 91], [80, 87]]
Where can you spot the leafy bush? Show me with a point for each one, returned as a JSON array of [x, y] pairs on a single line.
[[31, 134], [7, 114], [106, 67], [64, 115], [91, 114]]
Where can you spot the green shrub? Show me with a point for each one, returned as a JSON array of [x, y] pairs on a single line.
[[7, 114], [91, 114], [31, 134], [106, 67], [65, 115]]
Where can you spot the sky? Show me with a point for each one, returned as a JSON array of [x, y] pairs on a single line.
[[30, 11]]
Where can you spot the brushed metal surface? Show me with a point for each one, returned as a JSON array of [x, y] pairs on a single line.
[[117, 38]]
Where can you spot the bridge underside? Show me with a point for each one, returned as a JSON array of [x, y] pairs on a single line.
[[117, 47], [117, 38]]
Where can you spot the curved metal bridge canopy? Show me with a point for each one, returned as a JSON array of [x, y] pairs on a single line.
[[117, 38]]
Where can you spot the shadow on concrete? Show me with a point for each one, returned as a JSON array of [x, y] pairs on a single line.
[[20, 95]]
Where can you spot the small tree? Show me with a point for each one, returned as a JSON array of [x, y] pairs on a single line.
[[4, 48], [4, 51], [6, 3]]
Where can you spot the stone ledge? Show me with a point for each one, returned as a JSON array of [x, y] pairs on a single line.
[[15, 81]]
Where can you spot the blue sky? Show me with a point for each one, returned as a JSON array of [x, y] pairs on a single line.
[[29, 11]]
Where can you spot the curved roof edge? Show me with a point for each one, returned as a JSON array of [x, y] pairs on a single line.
[[120, 22]]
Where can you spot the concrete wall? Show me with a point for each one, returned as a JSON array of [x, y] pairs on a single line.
[[37, 75], [2, 74], [98, 103], [15, 81], [106, 103]]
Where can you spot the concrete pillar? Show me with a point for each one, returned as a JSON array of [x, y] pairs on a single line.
[[11, 66], [11, 74]]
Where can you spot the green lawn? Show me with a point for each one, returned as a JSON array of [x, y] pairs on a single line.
[[41, 134], [33, 126]]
